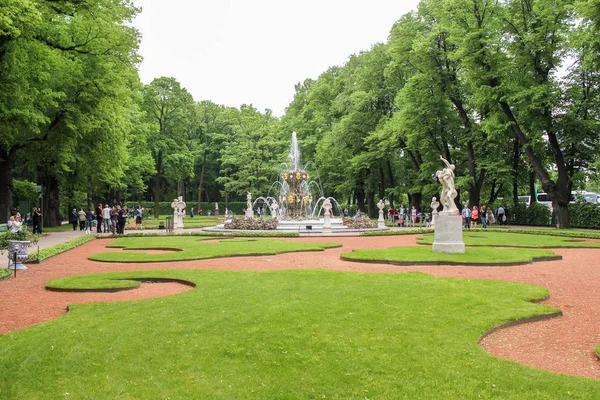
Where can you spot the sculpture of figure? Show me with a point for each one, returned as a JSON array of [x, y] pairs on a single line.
[[274, 209], [327, 207], [381, 204], [446, 178], [249, 200], [434, 205], [178, 206]]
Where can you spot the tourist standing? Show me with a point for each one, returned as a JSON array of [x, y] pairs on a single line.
[[37, 220], [192, 212], [413, 216], [474, 216], [466, 214], [483, 216], [490, 220], [114, 219], [139, 218], [122, 218], [81, 218], [106, 218], [98, 215], [74, 218]]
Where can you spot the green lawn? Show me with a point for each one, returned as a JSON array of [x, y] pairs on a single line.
[[490, 238], [475, 256], [285, 335], [195, 248], [188, 223]]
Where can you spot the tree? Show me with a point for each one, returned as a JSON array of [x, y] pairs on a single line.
[[168, 107]]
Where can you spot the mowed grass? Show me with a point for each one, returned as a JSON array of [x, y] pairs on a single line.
[[422, 254], [490, 238], [195, 248], [285, 335], [188, 223]]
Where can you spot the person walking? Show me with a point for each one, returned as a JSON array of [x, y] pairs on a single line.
[[89, 221], [139, 218], [466, 214], [483, 213], [81, 218], [74, 218], [474, 216], [106, 218]]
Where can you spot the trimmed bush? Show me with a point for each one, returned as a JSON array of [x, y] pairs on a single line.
[[252, 224], [43, 254], [536, 214], [165, 207], [584, 215]]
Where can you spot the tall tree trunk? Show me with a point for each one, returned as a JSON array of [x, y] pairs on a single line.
[[371, 203], [51, 203], [360, 196], [157, 191], [381, 183], [391, 183], [201, 179], [7, 163], [415, 200], [532, 193], [515, 171]]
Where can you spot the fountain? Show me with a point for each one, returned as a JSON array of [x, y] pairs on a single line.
[[296, 201]]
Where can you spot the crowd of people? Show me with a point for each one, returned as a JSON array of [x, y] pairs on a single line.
[[106, 219], [16, 221], [405, 217], [472, 216]]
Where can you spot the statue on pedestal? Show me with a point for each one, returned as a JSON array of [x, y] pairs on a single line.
[[446, 178], [381, 221], [434, 210], [274, 207], [178, 206], [327, 215], [249, 210]]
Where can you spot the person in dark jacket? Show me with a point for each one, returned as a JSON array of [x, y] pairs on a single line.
[[74, 219], [99, 218]]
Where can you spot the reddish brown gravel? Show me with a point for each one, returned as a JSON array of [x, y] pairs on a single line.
[[565, 345]]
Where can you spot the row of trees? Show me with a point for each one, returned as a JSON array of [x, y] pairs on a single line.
[[505, 90], [498, 88]]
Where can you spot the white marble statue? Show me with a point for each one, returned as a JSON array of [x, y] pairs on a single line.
[[178, 206], [274, 207], [249, 210], [434, 210], [446, 178], [327, 215], [381, 221]]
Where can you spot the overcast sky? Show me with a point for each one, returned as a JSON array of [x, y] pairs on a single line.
[[237, 52]]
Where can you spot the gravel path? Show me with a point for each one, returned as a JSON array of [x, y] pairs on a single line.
[[564, 345]]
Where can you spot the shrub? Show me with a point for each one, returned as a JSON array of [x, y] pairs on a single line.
[[165, 207], [252, 224], [536, 214], [46, 253], [359, 223], [584, 215]]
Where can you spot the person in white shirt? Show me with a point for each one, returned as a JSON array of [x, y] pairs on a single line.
[[14, 224], [106, 218]]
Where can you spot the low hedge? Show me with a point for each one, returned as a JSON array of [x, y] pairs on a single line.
[[584, 215], [536, 214], [213, 233], [165, 207], [399, 232], [46, 253]]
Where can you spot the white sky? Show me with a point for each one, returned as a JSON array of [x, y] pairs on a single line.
[[236, 52]]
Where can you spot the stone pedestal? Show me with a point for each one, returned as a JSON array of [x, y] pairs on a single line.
[[249, 213], [381, 221], [448, 234]]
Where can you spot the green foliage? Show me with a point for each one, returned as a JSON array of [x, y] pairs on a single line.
[[399, 232], [44, 254], [408, 255], [24, 190], [585, 215], [501, 238], [534, 214], [284, 335], [179, 248], [165, 207]]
